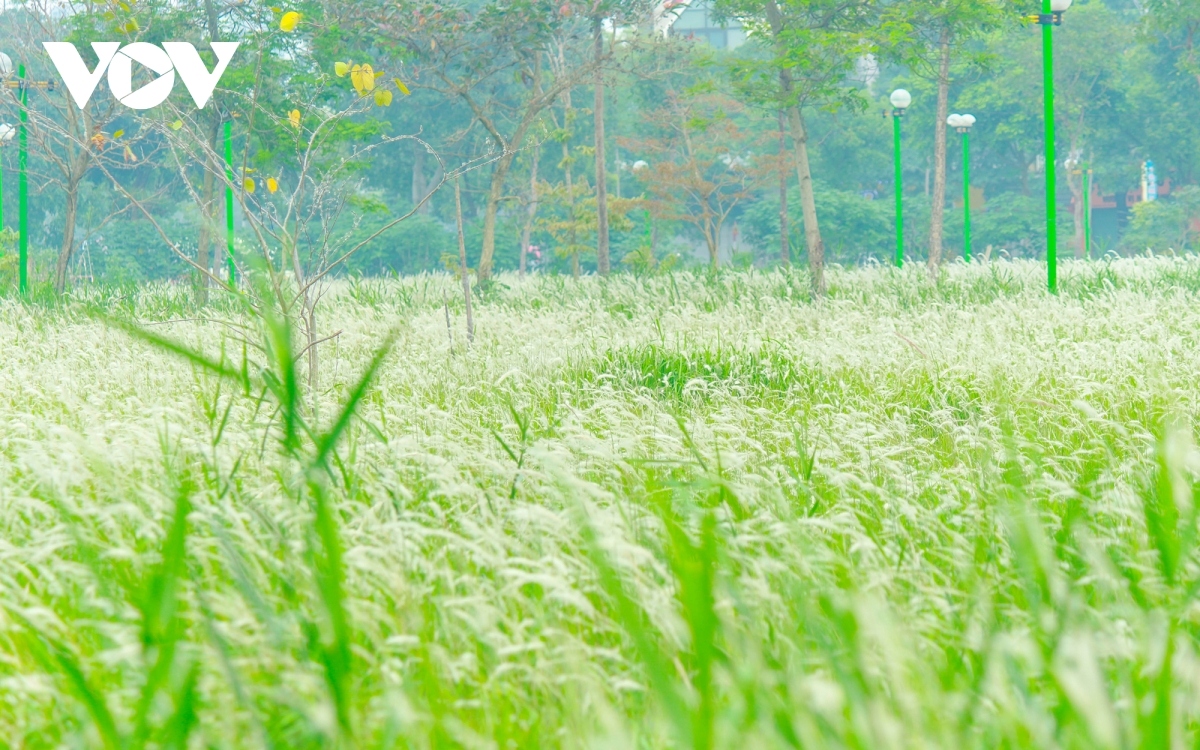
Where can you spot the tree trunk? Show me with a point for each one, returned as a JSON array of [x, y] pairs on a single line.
[[525, 231], [68, 244], [509, 151], [938, 208], [808, 204], [310, 328], [566, 162], [210, 13], [601, 184], [1075, 184], [784, 254], [462, 261], [495, 193], [713, 239]]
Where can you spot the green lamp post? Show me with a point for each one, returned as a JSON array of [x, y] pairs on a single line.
[[7, 132], [1087, 211], [1086, 169], [22, 86], [963, 124], [1076, 167], [900, 100], [1050, 17]]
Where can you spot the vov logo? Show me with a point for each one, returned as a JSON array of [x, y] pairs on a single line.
[[118, 61]]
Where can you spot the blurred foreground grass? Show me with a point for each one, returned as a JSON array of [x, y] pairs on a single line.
[[688, 511]]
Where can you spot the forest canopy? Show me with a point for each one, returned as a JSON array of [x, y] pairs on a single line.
[[608, 135]]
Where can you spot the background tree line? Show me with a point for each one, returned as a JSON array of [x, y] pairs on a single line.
[[599, 143]]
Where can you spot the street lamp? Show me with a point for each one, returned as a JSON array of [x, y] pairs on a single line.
[[900, 100], [1087, 210], [1084, 170], [1050, 17], [639, 167], [22, 86], [963, 123]]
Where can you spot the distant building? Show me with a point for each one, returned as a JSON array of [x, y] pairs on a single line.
[[694, 20], [1111, 211]]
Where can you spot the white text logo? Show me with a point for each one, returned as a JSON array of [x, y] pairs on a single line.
[[118, 62]]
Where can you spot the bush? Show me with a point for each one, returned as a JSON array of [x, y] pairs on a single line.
[[1165, 224], [1013, 222], [413, 246], [854, 228]]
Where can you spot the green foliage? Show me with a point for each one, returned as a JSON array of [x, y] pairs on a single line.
[[853, 227], [1012, 222], [1123, 70], [815, 42], [1171, 224], [9, 258], [414, 246]]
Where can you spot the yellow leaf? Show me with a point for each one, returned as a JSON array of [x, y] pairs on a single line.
[[177, 125], [383, 97], [401, 87], [118, 134], [248, 185], [356, 78], [132, 26], [294, 118], [123, 6], [272, 184], [129, 155], [289, 21], [368, 78], [341, 69]]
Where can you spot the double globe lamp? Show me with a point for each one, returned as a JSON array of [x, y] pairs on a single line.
[[900, 100], [963, 124]]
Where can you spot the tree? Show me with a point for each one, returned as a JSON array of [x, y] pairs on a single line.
[[1088, 92], [296, 182], [813, 46], [602, 259], [928, 35], [1094, 73], [700, 168], [71, 138], [492, 57], [616, 12], [1178, 23], [567, 194]]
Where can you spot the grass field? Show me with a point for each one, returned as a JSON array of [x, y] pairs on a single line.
[[687, 511]]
